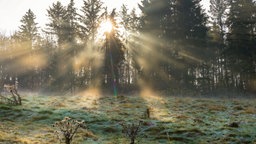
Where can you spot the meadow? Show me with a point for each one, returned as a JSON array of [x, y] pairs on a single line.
[[172, 119]]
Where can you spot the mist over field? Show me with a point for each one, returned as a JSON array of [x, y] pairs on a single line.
[[94, 74]]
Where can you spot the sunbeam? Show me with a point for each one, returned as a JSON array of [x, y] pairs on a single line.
[[156, 103]]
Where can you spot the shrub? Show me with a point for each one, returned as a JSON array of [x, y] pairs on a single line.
[[67, 128], [14, 99], [131, 130]]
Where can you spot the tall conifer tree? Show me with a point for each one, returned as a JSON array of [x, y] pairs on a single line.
[[90, 20], [28, 31], [241, 41], [114, 54]]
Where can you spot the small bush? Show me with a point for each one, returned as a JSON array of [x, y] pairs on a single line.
[[14, 99], [67, 128], [131, 130]]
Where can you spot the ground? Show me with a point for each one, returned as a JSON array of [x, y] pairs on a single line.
[[172, 119]]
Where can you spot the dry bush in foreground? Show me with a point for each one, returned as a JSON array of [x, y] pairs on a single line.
[[131, 130], [14, 99], [67, 128]]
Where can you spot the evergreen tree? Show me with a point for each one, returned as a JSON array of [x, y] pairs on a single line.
[[90, 20], [114, 55], [72, 51], [154, 13], [152, 28], [4, 56], [218, 9], [28, 31], [130, 22], [48, 49], [241, 42], [57, 15], [218, 13], [63, 25], [179, 27], [189, 22], [125, 68], [71, 22], [28, 38], [189, 36]]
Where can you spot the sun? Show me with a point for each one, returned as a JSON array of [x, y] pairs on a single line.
[[105, 27]]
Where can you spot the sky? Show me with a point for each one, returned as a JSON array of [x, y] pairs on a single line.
[[11, 11]]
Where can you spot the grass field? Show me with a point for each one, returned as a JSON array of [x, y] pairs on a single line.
[[172, 119]]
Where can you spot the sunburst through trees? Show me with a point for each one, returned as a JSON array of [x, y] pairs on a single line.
[[168, 47]]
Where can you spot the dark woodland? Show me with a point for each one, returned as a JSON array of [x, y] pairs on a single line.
[[172, 46], [170, 73]]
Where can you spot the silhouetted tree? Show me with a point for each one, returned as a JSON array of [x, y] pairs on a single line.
[[189, 33], [28, 38], [63, 25], [57, 15], [28, 31], [90, 20], [241, 43], [114, 55], [218, 16], [152, 28], [130, 22]]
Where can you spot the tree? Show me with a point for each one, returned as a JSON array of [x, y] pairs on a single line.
[[189, 22], [71, 22], [241, 42], [154, 12], [114, 55], [218, 14], [4, 56], [57, 15], [63, 25], [152, 28], [90, 20], [130, 22], [179, 31], [28, 31], [71, 30], [188, 32], [28, 38], [218, 9]]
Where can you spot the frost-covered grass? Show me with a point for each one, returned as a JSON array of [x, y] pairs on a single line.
[[172, 119]]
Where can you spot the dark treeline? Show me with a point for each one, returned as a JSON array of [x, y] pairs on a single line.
[[172, 46]]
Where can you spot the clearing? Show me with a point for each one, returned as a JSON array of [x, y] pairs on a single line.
[[172, 119]]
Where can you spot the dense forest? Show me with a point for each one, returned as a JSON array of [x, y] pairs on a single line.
[[166, 72], [172, 46]]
